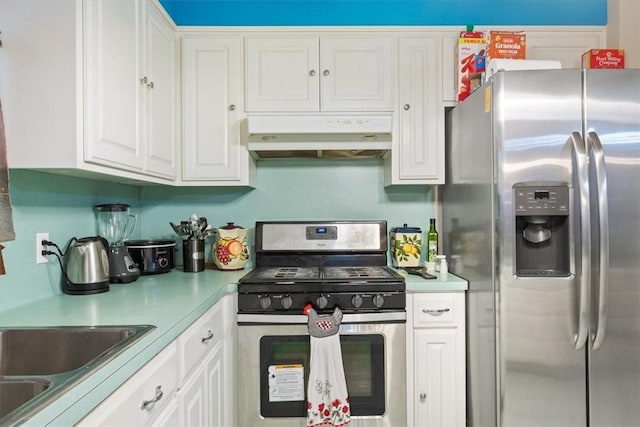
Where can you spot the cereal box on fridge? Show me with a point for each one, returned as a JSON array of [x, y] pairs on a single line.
[[506, 45], [603, 58], [471, 45]]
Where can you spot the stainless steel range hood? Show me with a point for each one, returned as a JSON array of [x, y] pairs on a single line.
[[318, 135]]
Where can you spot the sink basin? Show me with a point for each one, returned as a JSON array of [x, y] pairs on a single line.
[[38, 365], [48, 351], [15, 393]]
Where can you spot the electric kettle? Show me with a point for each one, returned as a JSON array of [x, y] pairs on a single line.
[[86, 266]]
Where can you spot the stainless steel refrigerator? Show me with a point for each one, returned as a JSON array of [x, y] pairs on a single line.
[[541, 212]]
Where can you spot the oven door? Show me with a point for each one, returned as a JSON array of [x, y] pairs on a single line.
[[273, 369]]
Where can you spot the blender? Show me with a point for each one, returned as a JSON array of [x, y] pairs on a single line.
[[116, 224]]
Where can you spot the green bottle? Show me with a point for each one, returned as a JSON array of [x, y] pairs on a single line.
[[432, 245]]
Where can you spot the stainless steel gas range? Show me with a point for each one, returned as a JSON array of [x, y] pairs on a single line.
[[326, 264]]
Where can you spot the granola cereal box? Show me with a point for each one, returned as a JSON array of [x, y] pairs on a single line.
[[471, 46], [506, 45], [603, 58]]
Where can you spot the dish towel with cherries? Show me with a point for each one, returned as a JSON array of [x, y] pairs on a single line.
[[327, 399]]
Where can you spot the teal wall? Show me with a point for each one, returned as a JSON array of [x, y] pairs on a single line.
[[286, 190]]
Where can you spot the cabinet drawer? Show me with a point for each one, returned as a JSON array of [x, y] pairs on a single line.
[[155, 384], [200, 338], [438, 310]]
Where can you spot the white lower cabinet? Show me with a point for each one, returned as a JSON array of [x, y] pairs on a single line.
[[144, 397], [205, 397], [189, 383], [436, 359]]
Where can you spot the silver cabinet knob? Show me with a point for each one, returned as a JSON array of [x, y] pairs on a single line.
[[232, 107], [423, 396], [325, 73], [312, 73], [406, 107], [144, 80], [150, 85]]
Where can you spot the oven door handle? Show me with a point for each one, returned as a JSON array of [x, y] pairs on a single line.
[[301, 319]]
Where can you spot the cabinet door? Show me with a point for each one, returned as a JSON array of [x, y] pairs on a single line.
[[216, 387], [212, 104], [563, 46], [169, 417], [357, 73], [161, 95], [192, 399], [435, 383], [418, 154], [201, 398], [113, 106], [282, 74]]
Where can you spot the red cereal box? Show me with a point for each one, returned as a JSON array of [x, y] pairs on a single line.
[[506, 45], [603, 58], [471, 45]]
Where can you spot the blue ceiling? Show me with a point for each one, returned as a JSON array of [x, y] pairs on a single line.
[[386, 12]]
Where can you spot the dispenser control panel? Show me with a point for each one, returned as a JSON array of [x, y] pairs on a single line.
[[534, 199]]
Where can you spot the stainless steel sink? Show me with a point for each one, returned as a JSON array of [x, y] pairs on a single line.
[[37, 365]]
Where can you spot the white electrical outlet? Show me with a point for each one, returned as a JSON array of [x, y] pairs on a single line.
[[41, 259]]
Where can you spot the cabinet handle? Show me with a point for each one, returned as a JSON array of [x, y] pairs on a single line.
[[208, 337], [325, 73], [406, 107], [150, 85], [232, 107], [423, 396], [144, 80], [149, 403], [312, 73], [435, 311]]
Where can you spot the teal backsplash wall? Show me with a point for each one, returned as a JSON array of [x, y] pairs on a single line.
[[286, 190]]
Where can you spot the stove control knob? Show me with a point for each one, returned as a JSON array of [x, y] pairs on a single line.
[[378, 300], [265, 301], [286, 302], [322, 301], [356, 300]]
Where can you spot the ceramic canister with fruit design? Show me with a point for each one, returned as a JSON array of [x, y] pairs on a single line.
[[230, 250], [406, 245]]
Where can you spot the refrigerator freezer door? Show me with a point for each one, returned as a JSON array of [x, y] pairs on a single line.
[[612, 109]]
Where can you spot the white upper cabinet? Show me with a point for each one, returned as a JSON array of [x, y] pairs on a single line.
[[131, 80], [348, 72], [113, 68], [104, 101], [162, 89], [213, 112], [417, 155]]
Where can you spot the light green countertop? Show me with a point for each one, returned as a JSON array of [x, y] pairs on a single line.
[[170, 302]]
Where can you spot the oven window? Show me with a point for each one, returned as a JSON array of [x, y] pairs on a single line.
[[363, 360]]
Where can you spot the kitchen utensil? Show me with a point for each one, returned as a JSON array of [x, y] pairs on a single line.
[[180, 231], [116, 224], [420, 271], [152, 256], [85, 269], [230, 251]]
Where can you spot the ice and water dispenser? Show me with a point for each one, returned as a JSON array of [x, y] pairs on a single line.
[[542, 229]]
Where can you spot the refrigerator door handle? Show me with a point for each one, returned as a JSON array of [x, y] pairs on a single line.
[[582, 177], [603, 213]]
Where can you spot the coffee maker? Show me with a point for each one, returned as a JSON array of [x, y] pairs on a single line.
[[542, 246], [116, 224]]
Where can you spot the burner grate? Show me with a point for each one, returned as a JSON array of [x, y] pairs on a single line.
[[286, 273]]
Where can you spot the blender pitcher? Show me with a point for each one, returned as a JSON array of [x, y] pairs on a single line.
[[116, 224]]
